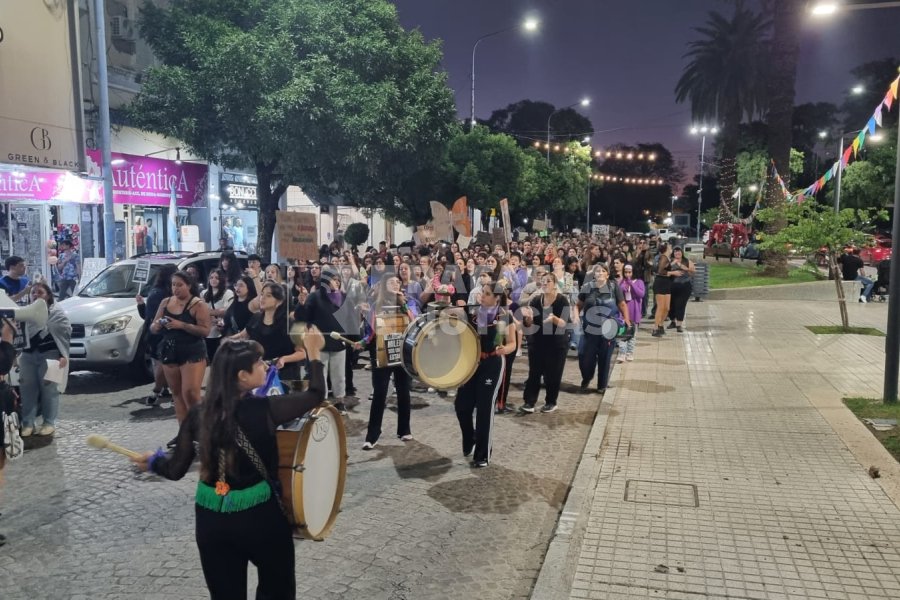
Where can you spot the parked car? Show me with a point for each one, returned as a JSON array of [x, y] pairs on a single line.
[[107, 331], [877, 251]]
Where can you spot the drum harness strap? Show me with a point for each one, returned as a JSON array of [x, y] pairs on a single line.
[[212, 498]]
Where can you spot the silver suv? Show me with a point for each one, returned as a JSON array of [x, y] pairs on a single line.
[[107, 331]]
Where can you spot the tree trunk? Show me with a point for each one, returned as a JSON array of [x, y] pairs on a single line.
[[838, 281], [787, 18], [268, 207]]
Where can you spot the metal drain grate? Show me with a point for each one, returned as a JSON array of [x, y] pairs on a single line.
[[661, 492]]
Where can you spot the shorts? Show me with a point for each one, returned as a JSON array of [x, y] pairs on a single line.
[[662, 285], [173, 353]]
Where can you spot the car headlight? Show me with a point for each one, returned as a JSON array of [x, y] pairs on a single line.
[[111, 325]]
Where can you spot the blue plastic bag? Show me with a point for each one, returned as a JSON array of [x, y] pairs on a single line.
[[272, 386]]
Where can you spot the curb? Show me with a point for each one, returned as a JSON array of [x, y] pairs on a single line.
[[558, 569]]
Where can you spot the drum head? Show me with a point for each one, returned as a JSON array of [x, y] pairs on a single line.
[[319, 472], [609, 329], [447, 353]]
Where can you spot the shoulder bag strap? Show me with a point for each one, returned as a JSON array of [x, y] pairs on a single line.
[[244, 444]]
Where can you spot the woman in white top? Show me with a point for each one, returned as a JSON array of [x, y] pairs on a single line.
[[218, 297]]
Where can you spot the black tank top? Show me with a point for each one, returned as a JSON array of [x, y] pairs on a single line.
[[180, 335], [238, 316]]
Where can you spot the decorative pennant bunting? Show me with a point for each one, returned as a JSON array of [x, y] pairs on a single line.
[[888, 100], [877, 115], [894, 87], [855, 146], [845, 160], [871, 125]]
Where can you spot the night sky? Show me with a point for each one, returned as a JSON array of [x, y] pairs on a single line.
[[625, 55]]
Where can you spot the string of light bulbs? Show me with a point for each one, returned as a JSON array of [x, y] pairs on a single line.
[[627, 180], [611, 154]]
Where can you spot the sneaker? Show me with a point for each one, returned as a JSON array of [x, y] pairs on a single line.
[[863, 299], [504, 411], [601, 391], [467, 451], [152, 399], [679, 329], [26, 431], [621, 358], [629, 357], [672, 325], [527, 408], [548, 408], [479, 464], [406, 438], [431, 390], [2, 539], [583, 388], [341, 407], [46, 429], [172, 443], [165, 393], [369, 445]]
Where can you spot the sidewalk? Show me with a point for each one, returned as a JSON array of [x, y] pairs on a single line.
[[714, 470]]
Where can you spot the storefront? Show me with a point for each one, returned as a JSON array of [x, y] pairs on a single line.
[[153, 199], [239, 211], [39, 208]]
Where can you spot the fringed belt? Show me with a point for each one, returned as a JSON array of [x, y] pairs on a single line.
[[234, 500]]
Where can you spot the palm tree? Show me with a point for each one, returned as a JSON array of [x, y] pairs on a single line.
[[724, 82], [787, 16]]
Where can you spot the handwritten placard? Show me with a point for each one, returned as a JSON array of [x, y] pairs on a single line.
[[298, 235], [141, 272]]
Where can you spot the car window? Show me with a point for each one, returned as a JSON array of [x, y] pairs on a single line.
[[116, 281]]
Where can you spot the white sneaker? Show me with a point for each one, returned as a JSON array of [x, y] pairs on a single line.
[[621, 358], [406, 438], [26, 431], [863, 299], [431, 390], [629, 357], [369, 445], [46, 430]]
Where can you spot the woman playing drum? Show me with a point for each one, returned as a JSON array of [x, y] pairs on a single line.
[[238, 515], [388, 294], [497, 334]]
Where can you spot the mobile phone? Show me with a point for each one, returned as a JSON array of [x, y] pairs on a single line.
[[164, 321]]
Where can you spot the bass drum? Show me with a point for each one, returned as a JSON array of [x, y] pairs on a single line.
[[441, 350], [312, 468]]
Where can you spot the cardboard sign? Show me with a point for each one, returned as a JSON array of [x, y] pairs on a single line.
[[141, 272], [298, 235], [498, 236], [539, 225], [463, 242], [504, 213], [90, 268], [459, 217], [440, 221], [482, 238]]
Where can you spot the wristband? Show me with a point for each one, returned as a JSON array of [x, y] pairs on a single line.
[[154, 457]]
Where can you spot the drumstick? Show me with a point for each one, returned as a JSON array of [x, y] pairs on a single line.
[[98, 441], [336, 336]]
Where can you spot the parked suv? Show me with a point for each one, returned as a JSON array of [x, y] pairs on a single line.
[[107, 331]]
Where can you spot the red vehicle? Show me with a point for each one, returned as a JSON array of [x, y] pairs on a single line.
[[876, 251]]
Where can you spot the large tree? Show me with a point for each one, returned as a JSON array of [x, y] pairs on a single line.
[[723, 82], [526, 120], [331, 95]]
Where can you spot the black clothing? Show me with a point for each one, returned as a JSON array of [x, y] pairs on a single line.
[[850, 266], [276, 342], [662, 285], [596, 353], [546, 335], [681, 293], [42, 344], [381, 379], [320, 311], [262, 534], [546, 363], [179, 347], [237, 316], [479, 394], [147, 312]]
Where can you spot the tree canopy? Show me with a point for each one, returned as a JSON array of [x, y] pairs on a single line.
[[331, 95], [526, 120]]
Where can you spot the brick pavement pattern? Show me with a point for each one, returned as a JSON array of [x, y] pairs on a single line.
[[717, 477], [417, 521]]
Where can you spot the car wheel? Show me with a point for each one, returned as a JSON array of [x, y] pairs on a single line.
[[142, 365]]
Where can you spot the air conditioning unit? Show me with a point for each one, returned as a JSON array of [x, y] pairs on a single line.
[[121, 28]]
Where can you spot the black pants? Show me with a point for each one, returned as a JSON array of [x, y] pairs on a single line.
[[547, 363], [596, 353], [478, 395], [228, 541], [681, 293], [381, 379], [507, 376], [352, 358], [212, 345]]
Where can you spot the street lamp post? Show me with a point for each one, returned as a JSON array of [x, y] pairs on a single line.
[[703, 130], [840, 155], [528, 25]]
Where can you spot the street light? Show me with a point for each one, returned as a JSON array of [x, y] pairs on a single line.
[[530, 24], [829, 8], [857, 89], [702, 130], [585, 102]]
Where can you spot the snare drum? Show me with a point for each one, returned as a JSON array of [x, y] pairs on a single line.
[[390, 326], [312, 467], [441, 350]]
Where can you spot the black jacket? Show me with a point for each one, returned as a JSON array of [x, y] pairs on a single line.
[[320, 311]]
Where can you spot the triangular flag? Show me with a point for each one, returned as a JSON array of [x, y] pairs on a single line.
[[871, 125], [835, 168], [888, 100], [894, 87], [845, 160], [877, 115], [855, 146], [861, 138], [828, 175]]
